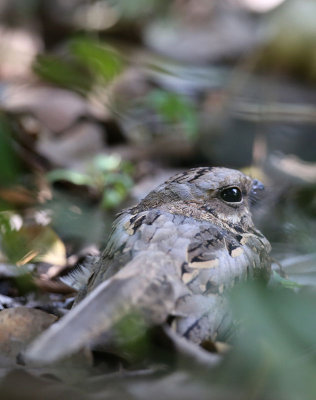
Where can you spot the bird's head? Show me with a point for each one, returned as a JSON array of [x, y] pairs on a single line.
[[223, 193]]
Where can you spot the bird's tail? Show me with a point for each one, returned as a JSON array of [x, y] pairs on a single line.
[[145, 285]]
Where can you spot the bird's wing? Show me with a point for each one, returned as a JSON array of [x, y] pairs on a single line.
[[156, 264], [147, 285]]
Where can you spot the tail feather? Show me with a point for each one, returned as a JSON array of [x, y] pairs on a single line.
[[145, 284], [78, 277]]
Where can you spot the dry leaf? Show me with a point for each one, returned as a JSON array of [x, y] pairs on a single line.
[[42, 244]]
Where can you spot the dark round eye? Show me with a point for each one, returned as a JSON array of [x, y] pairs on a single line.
[[231, 195]]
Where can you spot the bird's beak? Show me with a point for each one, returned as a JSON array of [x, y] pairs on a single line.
[[256, 191], [257, 186]]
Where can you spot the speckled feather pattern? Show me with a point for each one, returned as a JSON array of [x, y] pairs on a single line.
[[209, 252], [177, 252]]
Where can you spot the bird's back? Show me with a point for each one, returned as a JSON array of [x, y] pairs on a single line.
[[206, 260]]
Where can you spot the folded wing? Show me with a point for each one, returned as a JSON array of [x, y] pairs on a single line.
[[149, 284]]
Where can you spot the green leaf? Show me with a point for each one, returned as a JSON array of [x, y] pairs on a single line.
[[106, 162], [277, 280], [175, 108], [62, 72], [112, 198], [274, 353], [68, 175], [100, 59]]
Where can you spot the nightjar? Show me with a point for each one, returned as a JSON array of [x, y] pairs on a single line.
[[170, 258]]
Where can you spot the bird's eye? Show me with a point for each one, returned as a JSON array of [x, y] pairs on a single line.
[[231, 195]]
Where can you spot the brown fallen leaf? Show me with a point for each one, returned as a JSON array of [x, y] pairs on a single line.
[[19, 326], [17, 196]]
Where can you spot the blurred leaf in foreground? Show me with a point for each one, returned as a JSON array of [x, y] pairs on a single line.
[[131, 337], [274, 353], [301, 269]]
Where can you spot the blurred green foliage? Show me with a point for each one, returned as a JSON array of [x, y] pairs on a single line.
[[99, 58], [62, 72], [77, 220], [274, 352], [9, 162], [25, 283], [277, 281], [175, 109], [13, 245], [88, 61], [21, 242], [131, 337], [109, 175]]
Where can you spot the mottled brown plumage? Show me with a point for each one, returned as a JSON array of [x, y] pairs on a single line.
[[174, 254]]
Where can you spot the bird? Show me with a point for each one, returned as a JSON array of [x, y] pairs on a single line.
[[171, 259]]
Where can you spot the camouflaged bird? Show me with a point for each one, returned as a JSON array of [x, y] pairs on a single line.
[[171, 257]]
